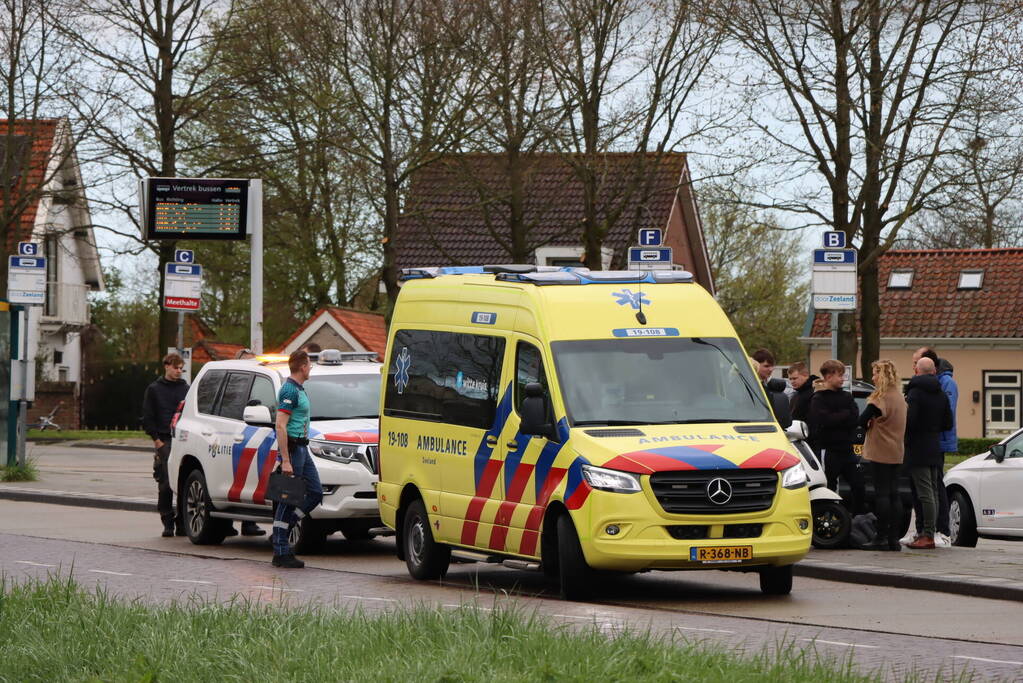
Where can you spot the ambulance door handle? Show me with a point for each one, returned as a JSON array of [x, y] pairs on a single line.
[[491, 440], [513, 445]]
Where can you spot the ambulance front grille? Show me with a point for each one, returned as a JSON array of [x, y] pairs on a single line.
[[686, 492]]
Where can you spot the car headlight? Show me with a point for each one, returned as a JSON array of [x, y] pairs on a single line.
[[610, 480], [334, 450], [794, 477]]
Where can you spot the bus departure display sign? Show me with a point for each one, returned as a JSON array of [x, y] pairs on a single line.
[[195, 208]]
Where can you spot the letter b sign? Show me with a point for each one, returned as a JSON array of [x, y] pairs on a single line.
[[834, 240]]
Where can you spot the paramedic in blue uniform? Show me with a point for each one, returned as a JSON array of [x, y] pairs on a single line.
[[293, 451]]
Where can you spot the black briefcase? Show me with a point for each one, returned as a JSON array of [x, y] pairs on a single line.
[[285, 489]]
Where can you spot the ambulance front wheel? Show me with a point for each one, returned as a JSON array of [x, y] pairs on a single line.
[[776, 580], [575, 575], [425, 558]]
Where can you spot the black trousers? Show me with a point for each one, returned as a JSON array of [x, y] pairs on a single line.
[[839, 465], [887, 502], [165, 494]]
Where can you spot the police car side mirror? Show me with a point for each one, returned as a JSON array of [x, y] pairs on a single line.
[[257, 416], [534, 412], [998, 451]]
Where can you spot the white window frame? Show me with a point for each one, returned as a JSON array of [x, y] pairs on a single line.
[[544, 255], [971, 279], [903, 282]]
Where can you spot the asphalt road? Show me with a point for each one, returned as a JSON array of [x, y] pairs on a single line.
[[889, 630]]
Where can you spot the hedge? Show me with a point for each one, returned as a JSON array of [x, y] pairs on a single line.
[[974, 446]]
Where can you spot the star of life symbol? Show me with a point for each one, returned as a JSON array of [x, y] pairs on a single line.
[[402, 364], [634, 299], [719, 491]]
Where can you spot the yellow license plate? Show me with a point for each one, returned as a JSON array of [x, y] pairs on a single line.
[[858, 448], [721, 553]]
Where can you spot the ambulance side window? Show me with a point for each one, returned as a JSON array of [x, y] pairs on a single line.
[[209, 387], [444, 377], [528, 368]]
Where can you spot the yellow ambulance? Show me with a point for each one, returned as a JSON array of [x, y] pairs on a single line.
[[574, 421]]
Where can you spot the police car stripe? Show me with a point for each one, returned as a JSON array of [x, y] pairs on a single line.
[[241, 457], [266, 458]]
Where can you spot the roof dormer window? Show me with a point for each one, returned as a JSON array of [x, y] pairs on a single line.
[[900, 279], [971, 279]]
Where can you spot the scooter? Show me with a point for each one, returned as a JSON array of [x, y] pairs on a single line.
[[832, 522]]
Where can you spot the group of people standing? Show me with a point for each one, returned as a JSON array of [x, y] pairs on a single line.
[[911, 429]]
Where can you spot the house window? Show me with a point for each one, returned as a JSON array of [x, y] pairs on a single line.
[[971, 279], [1002, 402], [570, 257], [58, 357], [900, 279]]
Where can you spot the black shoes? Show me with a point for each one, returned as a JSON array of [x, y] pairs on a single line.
[[168, 531], [883, 546], [252, 529], [287, 562]]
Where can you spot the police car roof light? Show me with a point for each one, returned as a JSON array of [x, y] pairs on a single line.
[[337, 357], [271, 358]]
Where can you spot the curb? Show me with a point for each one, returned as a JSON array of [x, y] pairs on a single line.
[[995, 590], [77, 499], [111, 446]]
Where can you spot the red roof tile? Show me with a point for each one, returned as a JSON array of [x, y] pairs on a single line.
[[41, 132], [445, 222], [369, 329], [934, 306]]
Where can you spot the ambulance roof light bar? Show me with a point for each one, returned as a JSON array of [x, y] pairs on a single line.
[[553, 275]]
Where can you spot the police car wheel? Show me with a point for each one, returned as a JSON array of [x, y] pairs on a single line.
[[201, 528], [776, 580], [831, 524], [575, 575], [961, 522], [425, 558]]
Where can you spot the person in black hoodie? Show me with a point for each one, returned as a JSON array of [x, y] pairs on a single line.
[[832, 420], [928, 415], [802, 381], [158, 407]]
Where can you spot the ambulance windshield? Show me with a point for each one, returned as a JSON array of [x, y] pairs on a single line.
[[658, 381]]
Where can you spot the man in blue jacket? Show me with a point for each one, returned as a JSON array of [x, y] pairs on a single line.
[[948, 442]]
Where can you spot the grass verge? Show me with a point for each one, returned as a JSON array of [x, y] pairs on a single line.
[[26, 472], [82, 434], [54, 630]]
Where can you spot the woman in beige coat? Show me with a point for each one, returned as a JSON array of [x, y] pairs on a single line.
[[885, 420]]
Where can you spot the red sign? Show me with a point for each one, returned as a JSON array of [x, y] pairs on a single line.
[[180, 303]]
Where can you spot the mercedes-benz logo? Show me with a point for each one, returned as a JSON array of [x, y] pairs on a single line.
[[719, 491]]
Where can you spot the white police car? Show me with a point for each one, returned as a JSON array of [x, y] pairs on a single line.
[[985, 494], [225, 446]]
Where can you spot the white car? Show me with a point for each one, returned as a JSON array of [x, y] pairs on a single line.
[[225, 447], [985, 494]]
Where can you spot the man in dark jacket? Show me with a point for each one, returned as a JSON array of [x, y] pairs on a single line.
[[832, 420], [775, 388], [802, 381], [158, 407], [928, 415]]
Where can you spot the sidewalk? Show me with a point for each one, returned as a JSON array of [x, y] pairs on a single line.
[[119, 475]]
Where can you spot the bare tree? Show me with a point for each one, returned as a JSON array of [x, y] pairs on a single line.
[[628, 73], [411, 87], [868, 94], [158, 52]]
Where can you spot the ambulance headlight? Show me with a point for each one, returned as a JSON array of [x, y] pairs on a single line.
[[610, 480], [794, 477], [334, 450]]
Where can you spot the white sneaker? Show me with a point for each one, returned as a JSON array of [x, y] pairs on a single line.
[[942, 541], [908, 538]]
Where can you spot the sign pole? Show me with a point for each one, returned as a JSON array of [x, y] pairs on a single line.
[[834, 334], [256, 252], [181, 332]]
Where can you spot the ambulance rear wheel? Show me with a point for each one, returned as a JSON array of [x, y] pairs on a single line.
[[202, 529], [575, 575], [776, 580], [425, 558]]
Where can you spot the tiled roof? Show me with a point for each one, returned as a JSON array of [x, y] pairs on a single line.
[[934, 306], [445, 222], [206, 350], [369, 329], [41, 133]]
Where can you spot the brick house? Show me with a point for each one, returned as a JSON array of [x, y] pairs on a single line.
[[968, 305], [455, 215], [344, 329], [54, 213]]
